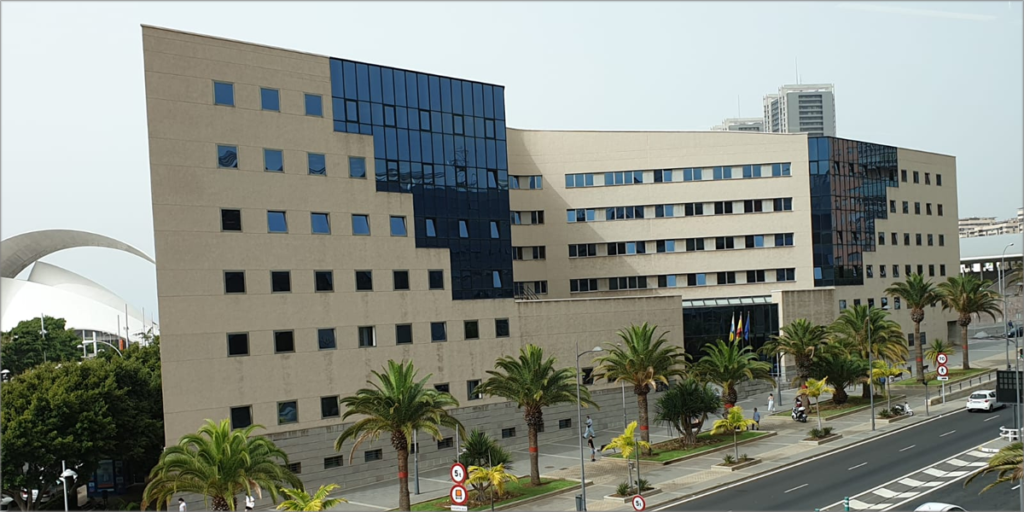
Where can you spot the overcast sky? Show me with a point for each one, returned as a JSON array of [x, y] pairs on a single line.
[[936, 76]]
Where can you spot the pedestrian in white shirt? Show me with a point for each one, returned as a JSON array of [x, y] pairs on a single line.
[[771, 403], [250, 502], [182, 507]]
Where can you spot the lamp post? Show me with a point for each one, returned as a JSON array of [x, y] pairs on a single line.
[[105, 343], [625, 421], [67, 473], [579, 420], [871, 367], [1002, 294]]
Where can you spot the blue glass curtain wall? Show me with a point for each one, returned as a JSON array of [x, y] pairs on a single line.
[[848, 193], [443, 141]]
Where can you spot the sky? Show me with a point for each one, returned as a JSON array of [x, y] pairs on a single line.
[[944, 77]]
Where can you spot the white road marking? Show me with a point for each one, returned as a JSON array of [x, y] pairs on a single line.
[[857, 466], [909, 447], [1015, 487], [795, 488], [935, 472], [885, 493], [957, 462], [990, 419], [979, 454], [937, 487], [550, 455], [368, 505], [948, 433]]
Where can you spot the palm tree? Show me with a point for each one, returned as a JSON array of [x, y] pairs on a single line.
[[479, 449], [938, 346], [842, 370], [728, 364], [968, 296], [626, 444], [533, 382], [886, 370], [801, 340], [219, 463], [398, 405], [815, 388], [642, 361], [733, 422], [850, 333], [1007, 464], [686, 406], [483, 479], [916, 294], [300, 500]]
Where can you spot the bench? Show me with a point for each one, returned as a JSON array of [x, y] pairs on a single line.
[[1010, 434]]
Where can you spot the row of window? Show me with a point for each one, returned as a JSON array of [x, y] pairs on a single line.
[[727, 172], [917, 208], [538, 252], [525, 182], [320, 224], [894, 238], [366, 336], [676, 210], [323, 280], [273, 161], [691, 244], [917, 178], [869, 270], [674, 280], [270, 99]]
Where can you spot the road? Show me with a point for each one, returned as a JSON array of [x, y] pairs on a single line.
[[1001, 497], [848, 472]]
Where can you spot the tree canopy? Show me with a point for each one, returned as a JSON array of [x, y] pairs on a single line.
[[26, 346]]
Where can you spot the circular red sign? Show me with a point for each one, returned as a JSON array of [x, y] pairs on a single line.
[[458, 495], [458, 473], [639, 503], [942, 370], [941, 359]]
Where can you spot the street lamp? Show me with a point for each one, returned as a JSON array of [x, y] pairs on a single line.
[[871, 370], [103, 342], [1006, 326], [625, 421], [67, 473], [579, 419]]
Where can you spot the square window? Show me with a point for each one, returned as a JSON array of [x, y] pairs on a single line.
[[326, 339], [224, 94], [501, 328], [227, 157], [276, 222], [241, 417], [398, 226], [324, 280], [231, 220], [373, 455], [436, 278], [403, 334], [280, 281], [320, 223], [438, 332], [401, 279], [329, 407], [234, 281], [273, 160], [364, 280], [431, 228], [314, 105], [471, 393], [317, 164], [367, 337], [270, 99], [361, 225], [238, 344], [472, 329], [357, 167], [284, 342]]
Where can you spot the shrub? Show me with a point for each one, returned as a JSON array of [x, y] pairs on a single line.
[[623, 489], [827, 431], [885, 414], [814, 433], [645, 485], [744, 457], [728, 459]]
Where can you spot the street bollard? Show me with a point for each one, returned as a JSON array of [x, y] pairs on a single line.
[[579, 502], [846, 504]]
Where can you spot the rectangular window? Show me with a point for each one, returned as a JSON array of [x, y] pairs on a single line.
[[224, 94], [320, 223], [445, 443], [940, 210], [501, 329], [373, 455], [783, 239], [400, 279], [234, 281], [471, 393], [931, 239], [431, 225], [323, 280], [928, 208], [906, 238], [364, 280], [463, 228], [231, 220], [725, 242], [438, 331], [367, 336], [436, 279], [871, 303], [495, 230], [238, 344], [227, 157], [908, 270], [881, 238], [326, 339], [917, 208], [361, 225], [241, 417], [931, 270], [284, 342], [920, 270], [565, 423], [314, 105], [694, 244], [398, 226], [895, 239], [317, 164], [906, 207], [755, 276], [881, 271], [273, 160], [726, 278], [336, 461], [508, 432], [753, 205], [903, 175], [329, 407], [357, 167], [530, 287], [938, 180], [869, 270], [442, 388], [782, 204], [917, 238], [280, 281], [892, 206], [942, 268], [895, 271], [691, 209], [785, 274], [583, 285], [917, 177], [723, 207], [856, 302], [472, 328], [896, 302], [667, 281], [403, 334], [942, 240], [276, 222], [696, 280], [842, 305], [270, 99]]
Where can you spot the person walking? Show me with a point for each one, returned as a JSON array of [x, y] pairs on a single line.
[[589, 436], [771, 403], [182, 507], [250, 502], [757, 419]]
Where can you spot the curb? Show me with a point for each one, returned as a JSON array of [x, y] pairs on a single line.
[[767, 434]]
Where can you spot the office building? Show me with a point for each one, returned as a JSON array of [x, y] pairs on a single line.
[[740, 124], [807, 109], [315, 217]]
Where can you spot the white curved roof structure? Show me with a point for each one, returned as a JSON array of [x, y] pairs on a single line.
[[58, 292]]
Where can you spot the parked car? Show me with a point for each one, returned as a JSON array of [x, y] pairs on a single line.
[[983, 401], [938, 507]]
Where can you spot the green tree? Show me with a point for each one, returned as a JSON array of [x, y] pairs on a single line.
[[969, 297], [533, 383], [28, 346], [842, 370], [481, 450], [938, 346], [1007, 464], [300, 500], [51, 413], [626, 444], [916, 294], [642, 361], [686, 406], [800, 340], [483, 479], [815, 388], [733, 422], [397, 405], [728, 364], [850, 332], [886, 370]]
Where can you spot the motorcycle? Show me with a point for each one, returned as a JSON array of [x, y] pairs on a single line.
[[799, 414], [903, 410]]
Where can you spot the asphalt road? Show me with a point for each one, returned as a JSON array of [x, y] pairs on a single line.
[[1001, 497], [822, 482]]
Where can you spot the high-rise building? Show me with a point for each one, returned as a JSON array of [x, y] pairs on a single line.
[[971, 227], [807, 109], [740, 124], [315, 217]]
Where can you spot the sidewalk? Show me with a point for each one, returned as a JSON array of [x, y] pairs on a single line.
[[561, 460]]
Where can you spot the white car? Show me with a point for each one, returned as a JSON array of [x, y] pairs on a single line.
[[938, 507], [983, 401]]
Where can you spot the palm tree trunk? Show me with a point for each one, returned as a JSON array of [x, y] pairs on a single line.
[[534, 456], [920, 351], [645, 435], [865, 391], [888, 393], [817, 407], [220, 503], [963, 341], [403, 480]]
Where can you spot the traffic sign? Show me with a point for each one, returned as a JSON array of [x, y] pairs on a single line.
[[458, 495], [639, 503], [458, 473], [459, 508], [942, 370], [944, 377], [941, 359]]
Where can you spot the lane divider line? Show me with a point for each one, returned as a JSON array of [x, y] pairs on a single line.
[[795, 488], [857, 466], [948, 433], [907, 448]]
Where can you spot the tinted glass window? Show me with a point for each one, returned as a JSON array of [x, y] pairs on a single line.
[[321, 223], [401, 279], [227, 157], [364, 280], [463, 229], [431, 228], [234, 282], [367, 337], [436, 278], [273, 160], [317, 164], [357, 167], [438, 331], [270, 99], [284, 341], [241, 417], [494, 230], [276, 222], [287, 412], [238, 344], [472, 329], [403, 334], [501, 329], [314, 105], [280, 281], [324, 280], [326, 339], [398, 226], [360, 225], [223, 94], [231, 220], [329, 408]]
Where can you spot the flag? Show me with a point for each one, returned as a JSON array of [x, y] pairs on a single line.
[[739, 328], [746, 328], [732, 328]]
